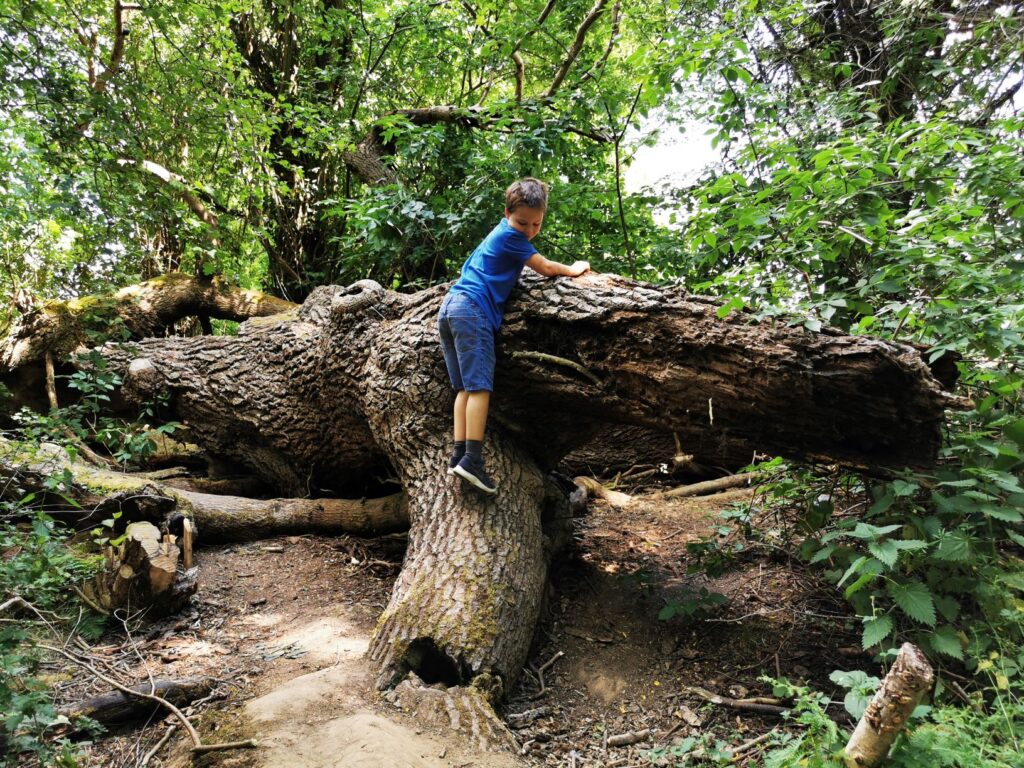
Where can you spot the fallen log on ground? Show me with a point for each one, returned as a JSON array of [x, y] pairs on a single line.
[[709, 486], [117, 707]]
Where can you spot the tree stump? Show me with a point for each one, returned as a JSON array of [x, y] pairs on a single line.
[[909, 679]]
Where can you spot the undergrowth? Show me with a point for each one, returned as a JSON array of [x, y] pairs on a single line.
[[38, 568], [930, 558]]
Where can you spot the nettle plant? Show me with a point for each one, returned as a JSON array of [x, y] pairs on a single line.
[[933, 554], [38, 565]]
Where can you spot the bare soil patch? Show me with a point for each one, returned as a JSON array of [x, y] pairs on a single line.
[[283, 624]]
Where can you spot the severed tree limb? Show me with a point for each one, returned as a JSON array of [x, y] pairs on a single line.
[[594, 488], [709, 486], [119, 707], [909, 679], [233, 518], [197, 742], [576, 47]]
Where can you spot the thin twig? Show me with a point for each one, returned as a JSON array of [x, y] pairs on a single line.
[[159, 745], [546, 358], [741, 704], [89, 601]]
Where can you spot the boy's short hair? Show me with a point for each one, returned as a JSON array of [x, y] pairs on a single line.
[[527, 193]]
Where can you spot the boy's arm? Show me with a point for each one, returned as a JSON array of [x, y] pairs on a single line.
[[549, 268]]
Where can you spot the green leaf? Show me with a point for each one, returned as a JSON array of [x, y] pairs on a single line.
[[903, 488], [854, 568], [954, 547], [886, 551], [946, 640], [876, 630], [1006, 514], [915, 600], [823, 554]]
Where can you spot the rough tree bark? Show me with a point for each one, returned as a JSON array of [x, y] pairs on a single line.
[[354, 383], [909, 679], [146, 309], [59, 328]]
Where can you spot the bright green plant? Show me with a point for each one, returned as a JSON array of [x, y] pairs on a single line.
[[817, 743], [37, 569], [87, 418], [691, 604]]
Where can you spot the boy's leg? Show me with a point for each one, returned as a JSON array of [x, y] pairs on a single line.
[[477, 404], [473, 339], [471, 466], [459, 437], [451, 361]]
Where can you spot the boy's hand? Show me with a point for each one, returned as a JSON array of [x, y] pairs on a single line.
[[578, 268]]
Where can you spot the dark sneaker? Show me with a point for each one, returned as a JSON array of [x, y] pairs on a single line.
[[452, 462], [473, 473]]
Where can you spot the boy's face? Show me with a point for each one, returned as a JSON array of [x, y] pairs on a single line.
[[526, 220]]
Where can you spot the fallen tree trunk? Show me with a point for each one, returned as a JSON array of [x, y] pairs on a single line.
[[354, 384]]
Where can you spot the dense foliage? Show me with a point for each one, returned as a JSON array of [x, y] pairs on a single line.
[[870, 177]]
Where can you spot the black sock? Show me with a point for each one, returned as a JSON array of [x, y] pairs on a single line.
[[475, 450], [458, 450]]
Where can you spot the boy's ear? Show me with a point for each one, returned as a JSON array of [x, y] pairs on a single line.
[[507, 212]]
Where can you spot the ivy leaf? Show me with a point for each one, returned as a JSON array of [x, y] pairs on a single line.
[[915, 600], [946, 640], [876, 630]]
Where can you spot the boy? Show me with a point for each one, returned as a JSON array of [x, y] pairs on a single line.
[[471, 315]]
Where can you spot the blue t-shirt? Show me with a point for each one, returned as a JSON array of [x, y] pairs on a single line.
[[492, 270]]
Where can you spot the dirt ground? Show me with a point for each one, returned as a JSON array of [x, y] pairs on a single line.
[[283, 624]]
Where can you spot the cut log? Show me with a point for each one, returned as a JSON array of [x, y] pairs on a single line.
[[909, 679], [598, 491], [233, 518], [116, 707]]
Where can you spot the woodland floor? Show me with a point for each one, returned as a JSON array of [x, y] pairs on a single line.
[[284, 622]]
